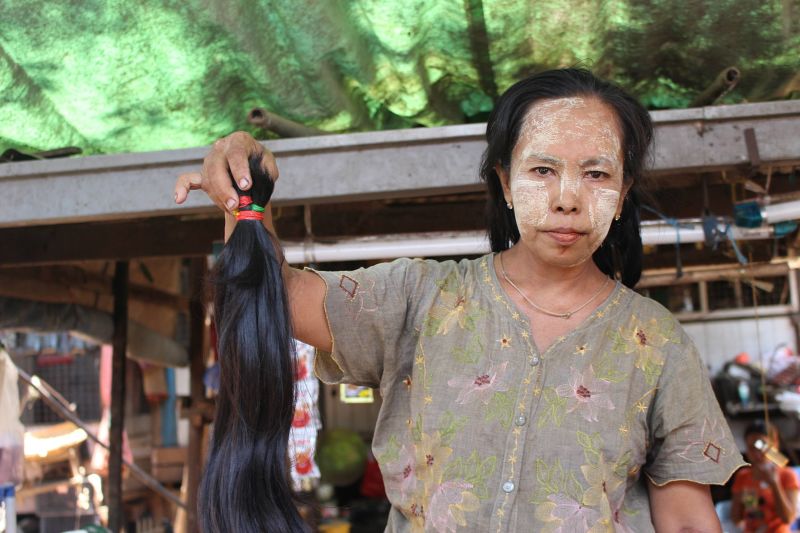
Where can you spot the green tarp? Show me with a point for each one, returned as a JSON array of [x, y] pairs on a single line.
[[125, 76]]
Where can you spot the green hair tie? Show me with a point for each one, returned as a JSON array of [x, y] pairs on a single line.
[[257, 208]]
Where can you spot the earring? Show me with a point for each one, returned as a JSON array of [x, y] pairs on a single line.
[[509, 205], [616, 218]]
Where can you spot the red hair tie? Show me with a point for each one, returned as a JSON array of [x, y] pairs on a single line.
[[249, 215]]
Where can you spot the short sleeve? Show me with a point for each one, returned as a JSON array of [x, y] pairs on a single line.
[[368, 315], [741, 480], [689, 437], [789, 479]]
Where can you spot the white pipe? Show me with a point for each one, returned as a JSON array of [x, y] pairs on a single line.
[[389, 247], [692, 231], [774, 213], [461, 243]]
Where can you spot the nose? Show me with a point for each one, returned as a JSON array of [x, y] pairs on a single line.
[[567, 200]]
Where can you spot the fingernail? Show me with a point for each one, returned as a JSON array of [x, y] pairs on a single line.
[[243, 183], [176, 197], [230, 203]]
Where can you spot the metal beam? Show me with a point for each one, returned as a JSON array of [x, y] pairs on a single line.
[[359, 166]]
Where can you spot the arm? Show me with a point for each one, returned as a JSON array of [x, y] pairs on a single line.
[[785, 499], [682, 507], [229, 157], [737, 508]]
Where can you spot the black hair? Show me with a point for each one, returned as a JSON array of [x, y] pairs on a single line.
[[246, 485], [758, 427], [620, 255]]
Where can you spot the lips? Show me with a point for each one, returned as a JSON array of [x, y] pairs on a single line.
[[565, 236]]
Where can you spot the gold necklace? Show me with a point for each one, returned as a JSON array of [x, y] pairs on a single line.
[[565, 316]]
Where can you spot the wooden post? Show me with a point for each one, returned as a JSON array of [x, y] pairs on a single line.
[[120, 341], [197, 367]]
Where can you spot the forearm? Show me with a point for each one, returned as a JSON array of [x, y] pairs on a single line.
[[784, 508], [736, 509]]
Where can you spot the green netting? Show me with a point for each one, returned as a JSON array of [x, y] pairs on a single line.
[[121, 76]]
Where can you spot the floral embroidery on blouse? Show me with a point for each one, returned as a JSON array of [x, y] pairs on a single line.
[[709, 445], [481, 432], [455, 307], [483, 386], [360, 295], [586, 393]]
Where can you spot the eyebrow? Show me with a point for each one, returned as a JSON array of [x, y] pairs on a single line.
[[545, 158], [601, 160]]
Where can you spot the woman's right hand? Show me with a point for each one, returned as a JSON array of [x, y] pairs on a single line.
[[227, 159]]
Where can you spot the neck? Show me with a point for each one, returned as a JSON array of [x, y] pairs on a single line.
[[528, 271]]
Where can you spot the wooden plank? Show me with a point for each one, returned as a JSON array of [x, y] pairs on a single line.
[[115, 512], [118, 240], [667, 277], [59, 284], [197, 366]]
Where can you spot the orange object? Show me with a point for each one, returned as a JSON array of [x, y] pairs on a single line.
[[742, 358]]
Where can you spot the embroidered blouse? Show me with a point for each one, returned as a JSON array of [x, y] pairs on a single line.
[[478, 431]]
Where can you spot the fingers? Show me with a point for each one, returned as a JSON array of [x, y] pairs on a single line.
[[185, 183], [269, 164], [240, 147], [228, 159], [217, 181], [238, 156]]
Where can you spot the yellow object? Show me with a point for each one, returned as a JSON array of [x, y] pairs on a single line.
[[335, 527]]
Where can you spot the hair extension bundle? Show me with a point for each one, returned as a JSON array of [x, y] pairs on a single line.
[[246, 486]]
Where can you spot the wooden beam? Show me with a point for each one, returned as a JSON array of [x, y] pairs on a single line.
[[197, 367], [60, 284], [666, 277], [115, 511], [117, 240]]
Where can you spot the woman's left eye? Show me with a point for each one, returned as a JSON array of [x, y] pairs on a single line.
[[596, 174]]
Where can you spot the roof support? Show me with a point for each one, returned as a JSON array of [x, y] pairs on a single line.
[[360, 166], [115, 432]]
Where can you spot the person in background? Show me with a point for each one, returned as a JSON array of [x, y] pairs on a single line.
[[764, 494]]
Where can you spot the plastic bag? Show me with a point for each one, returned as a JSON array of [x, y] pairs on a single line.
[[12, 432]]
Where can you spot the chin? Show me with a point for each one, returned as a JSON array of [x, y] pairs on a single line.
[[541, 247]]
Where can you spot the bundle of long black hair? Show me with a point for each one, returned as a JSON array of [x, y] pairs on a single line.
[[246, 484]]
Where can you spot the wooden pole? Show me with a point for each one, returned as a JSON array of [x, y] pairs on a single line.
[[197, 391], [120, 341]]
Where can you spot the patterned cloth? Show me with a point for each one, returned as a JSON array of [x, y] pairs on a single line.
[[480, 432]]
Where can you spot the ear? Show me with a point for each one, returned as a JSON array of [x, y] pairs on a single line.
[[622, 195], [502, 173]]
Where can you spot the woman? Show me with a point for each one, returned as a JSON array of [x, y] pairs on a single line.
[[525, 390], [764, 495]]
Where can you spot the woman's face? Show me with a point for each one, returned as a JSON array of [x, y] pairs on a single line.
[[565, 180]]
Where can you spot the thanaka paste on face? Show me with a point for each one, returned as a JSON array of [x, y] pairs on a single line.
[[552, 124], [603, 210], [532, 203]]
